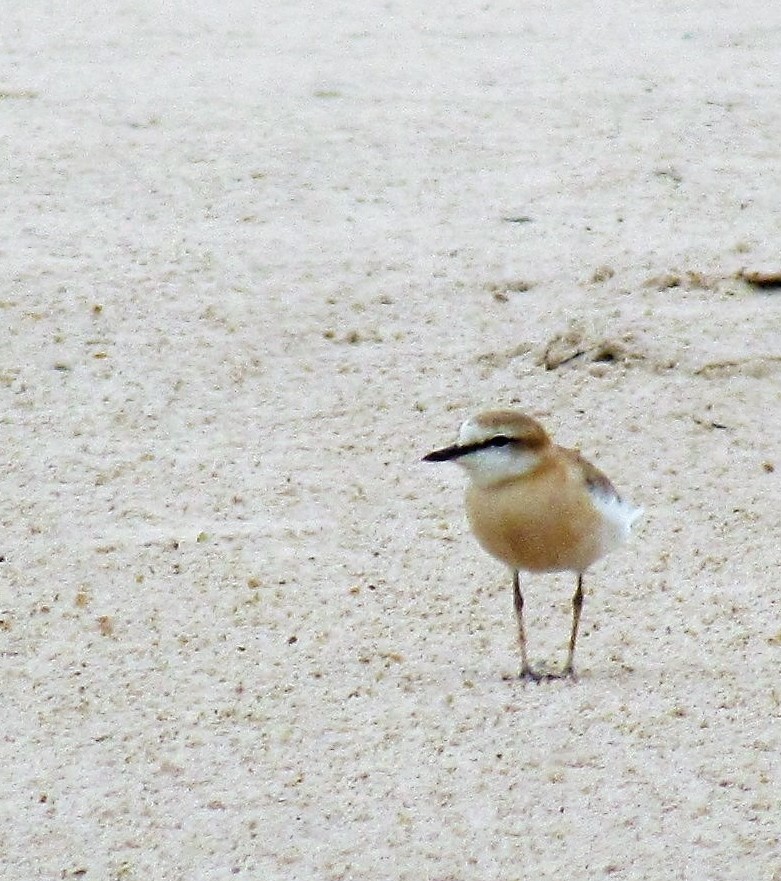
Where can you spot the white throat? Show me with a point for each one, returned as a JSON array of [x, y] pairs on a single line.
[[497, 464]]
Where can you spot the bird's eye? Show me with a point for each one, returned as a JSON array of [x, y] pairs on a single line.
[[500, 440]]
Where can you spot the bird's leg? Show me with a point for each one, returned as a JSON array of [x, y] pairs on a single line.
[[526, 670], [577, 606]]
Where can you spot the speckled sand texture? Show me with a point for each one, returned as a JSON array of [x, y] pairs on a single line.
[[255, 261]]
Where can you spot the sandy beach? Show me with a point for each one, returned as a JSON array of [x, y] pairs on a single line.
[[256, 261]]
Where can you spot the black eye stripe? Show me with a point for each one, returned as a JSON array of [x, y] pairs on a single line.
[[499, 440], [458, 450]]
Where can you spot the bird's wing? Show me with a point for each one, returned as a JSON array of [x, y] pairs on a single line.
[[594, 479]]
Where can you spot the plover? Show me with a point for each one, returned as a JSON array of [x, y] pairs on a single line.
[[536, 506]]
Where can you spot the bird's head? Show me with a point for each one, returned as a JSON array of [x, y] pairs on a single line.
[[496, 446]]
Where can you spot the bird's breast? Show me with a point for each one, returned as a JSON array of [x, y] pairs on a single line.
[[541, 523]]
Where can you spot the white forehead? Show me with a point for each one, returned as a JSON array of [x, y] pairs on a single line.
[[472, 432]]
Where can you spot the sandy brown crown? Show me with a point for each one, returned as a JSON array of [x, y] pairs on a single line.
[[517, 426]]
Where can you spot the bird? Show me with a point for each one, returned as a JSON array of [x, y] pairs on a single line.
[[536, 507]]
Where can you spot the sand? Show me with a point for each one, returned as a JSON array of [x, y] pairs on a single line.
[[256, 261]]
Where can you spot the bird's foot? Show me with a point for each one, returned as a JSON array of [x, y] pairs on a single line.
[[568, 673], [528, 674]]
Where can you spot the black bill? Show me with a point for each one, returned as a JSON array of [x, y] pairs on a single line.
[[458, 450], [445, 454]]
